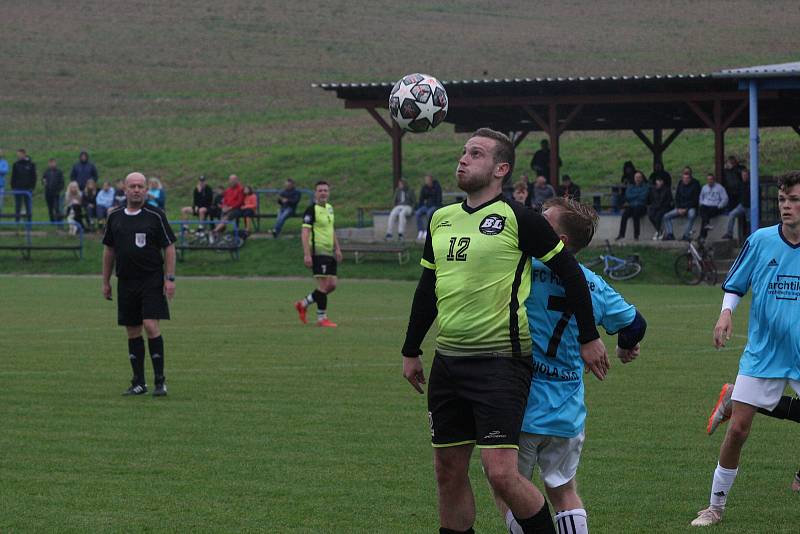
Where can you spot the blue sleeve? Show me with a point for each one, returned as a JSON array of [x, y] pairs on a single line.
[[612, 312], [3, 168], [739, 276]]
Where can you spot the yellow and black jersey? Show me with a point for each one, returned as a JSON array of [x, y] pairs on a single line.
[[481, 260], [319, 219]]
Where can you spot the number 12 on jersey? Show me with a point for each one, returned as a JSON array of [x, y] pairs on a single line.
[[459, 254]]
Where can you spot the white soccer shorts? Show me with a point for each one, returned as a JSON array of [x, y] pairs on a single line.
[[556, 457], [762, 392]]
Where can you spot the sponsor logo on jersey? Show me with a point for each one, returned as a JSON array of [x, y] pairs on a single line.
[[444, 224], [772, 263], [141, 240], [784, 287], [495, 434], [492, 224]]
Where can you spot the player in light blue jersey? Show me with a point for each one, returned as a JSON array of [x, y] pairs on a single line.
[[769, 265], [552, 430]]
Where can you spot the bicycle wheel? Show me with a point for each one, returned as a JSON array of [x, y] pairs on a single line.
[[625, 270], [709, 270], [688, 270]]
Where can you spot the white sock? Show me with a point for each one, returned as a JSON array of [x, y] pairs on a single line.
[[721, 486], [322, 314], [512, 525], [308, 300], [572, 522]]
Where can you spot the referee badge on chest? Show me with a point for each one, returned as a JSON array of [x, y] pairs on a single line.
[[141, 240]]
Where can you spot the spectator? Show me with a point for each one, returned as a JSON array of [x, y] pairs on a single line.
[[3, 173], [83, 171], [569, 189], [659, 202], [687, 194], [713, 200], [618, 191], [23, 178], [430, 199], [202, 200], [541, 160], [73, 206], [540, 192], [104, 202], [732, 180], [89, 202], [156, 196], [403, 207], [288, 199], [659, 172], [635, 205], [249, 206], [119, 195], [53, 183], [742, 209], [215, 211], [521, 192], [232, 202]]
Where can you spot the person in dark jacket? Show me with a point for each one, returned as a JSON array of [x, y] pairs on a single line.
[[635, 205], [202, 200], [659, 202], [288, 199], [540, 163], [742, 209], [569, 189], [23, 182], [53, 182], [732, 180], [430, 200], [687, 197], [83, 170], [618, 191], [659, 172]]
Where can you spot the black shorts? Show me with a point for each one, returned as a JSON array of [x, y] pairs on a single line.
[[323, 265], [141, 299], [475, 399]]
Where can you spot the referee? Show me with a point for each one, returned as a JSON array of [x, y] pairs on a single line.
[[134, 239], [476, 278]]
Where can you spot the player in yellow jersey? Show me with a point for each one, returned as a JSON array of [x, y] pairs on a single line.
[[321, 253], [476, 278]]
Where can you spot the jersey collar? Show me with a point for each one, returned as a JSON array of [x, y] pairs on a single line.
[[132, 213], [469, 210], [780, 233]]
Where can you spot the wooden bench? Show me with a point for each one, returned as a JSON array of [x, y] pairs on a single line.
[[298, 212], [360, 250], [77, 249], [230, 241], [24, 231]]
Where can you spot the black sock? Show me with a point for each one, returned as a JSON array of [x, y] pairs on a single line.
[[321, 300], [443, 530], [136, 354], [156, 346], [787, 408], [538, 523]]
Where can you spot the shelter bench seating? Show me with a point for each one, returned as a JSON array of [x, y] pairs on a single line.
[[273, 214], [360, 250]]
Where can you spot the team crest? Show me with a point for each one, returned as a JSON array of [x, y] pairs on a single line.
[[492, 224], [141, 240]]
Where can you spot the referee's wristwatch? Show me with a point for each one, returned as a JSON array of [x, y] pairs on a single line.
[[169, 278]]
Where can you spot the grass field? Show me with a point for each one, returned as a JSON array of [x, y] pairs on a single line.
[[273, 426]]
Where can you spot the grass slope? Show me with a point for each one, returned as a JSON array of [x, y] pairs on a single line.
[[273, 426]]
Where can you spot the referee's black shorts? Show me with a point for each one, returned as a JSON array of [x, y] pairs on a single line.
[[323, 265], [477, 399], [141, 299]]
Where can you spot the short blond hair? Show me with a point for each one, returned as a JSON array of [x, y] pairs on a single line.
[[578, 221]]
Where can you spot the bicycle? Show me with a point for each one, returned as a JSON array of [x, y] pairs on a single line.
[[617, 268], [696, 265]]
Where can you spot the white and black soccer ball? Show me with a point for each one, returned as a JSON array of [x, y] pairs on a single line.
[[418, 103]]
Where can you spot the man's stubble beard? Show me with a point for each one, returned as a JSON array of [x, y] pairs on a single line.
[[473, 185]]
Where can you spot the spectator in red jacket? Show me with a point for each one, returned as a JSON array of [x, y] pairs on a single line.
[[232, 202]]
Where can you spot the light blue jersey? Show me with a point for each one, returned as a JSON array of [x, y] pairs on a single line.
[[555, 400], [770, 266]]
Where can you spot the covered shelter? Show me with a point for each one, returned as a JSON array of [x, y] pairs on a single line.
[[655, 108]]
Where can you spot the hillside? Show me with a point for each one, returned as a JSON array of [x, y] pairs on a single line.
[[190, 87]]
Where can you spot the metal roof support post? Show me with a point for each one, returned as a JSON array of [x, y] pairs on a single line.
[[554, 133], [658, 149], [719, 141], [755, 201]]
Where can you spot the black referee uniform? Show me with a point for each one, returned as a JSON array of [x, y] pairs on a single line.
[[137, 240]]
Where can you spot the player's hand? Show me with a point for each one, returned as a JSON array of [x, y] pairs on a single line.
[[628, 355], [169, 289], [723, 329], [595, 357], [307, 260], [412, 371], [107, 290], [339, 256]]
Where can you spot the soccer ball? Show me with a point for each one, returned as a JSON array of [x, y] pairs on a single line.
[[418, 103]]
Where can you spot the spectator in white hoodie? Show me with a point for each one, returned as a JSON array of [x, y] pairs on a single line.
[[713, 200]]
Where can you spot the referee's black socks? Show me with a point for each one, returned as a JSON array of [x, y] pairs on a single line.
[[156, 346], [136, 354]]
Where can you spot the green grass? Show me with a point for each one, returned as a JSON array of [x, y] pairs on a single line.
[[273, 426]]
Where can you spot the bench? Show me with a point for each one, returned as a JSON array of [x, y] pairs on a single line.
[[274, 214], [229, 242], [29, 242], [360, 250]]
